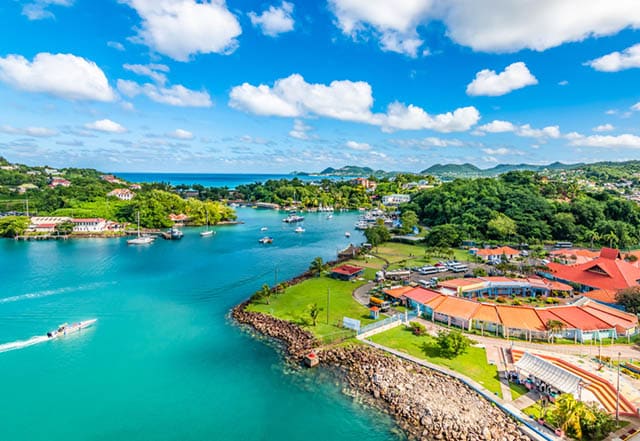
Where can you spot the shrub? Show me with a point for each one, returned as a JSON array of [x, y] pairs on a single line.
[[501, 300], [417, 328], [452, 343]]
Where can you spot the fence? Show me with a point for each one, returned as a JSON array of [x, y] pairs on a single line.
[[395, 320]]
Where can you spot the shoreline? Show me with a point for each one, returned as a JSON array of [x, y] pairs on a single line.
[[425, 404]]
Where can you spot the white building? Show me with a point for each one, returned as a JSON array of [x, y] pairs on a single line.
[[124, 194], [46, 224], [395, 199], [89, 225]]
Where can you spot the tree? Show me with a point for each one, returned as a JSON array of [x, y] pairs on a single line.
[[445, 235], [501, 226], [571, 414], [264, 293], [377, 234], [409, 220], [452, 343], [592, 236], [630, 299], [317, 266], [314, 312], [64, 228], [12, 226], [612, 238], [553, 327]]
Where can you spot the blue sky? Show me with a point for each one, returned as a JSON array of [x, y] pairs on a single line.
[[254, 86]]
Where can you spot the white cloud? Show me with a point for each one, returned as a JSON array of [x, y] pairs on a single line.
[[38, 132], [499, 151], [38, 9], [300, 130], [616, 61], [354, 145], [636, 107], [116, 45], [393, 23], [180, 134], [603, 128], [63, 75], [176, 95], [154, 71], [275, 20], [105, 125], [488, 83], [563, 83], [430, 141], [343, 100], [490, 25], [182, 28], [605, 141], [498, 126]]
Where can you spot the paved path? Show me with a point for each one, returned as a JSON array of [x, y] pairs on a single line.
[[361, 293]]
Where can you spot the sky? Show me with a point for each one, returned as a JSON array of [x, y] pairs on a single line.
[[248, 86]]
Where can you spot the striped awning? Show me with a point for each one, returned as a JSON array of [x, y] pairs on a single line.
[[551, 374]]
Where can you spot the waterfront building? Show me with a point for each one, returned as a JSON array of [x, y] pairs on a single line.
[[346, 272], [89, 225], [395, 199]]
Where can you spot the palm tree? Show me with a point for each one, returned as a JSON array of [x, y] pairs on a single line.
[[570, 413], [592, 236], [317, 266], [553, 327], [612, 238], [265, 293], [314, 312]]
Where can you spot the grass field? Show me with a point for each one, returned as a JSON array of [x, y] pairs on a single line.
[[406, 255], [473, 363], [292, 305], [517, 390]]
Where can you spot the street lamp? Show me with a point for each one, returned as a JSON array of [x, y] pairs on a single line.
[[618, 394]]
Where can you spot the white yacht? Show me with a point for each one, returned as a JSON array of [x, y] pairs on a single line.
[[140, 240], [207, 232]]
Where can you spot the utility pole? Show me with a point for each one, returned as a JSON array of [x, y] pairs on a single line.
[[275, 276], [328, 300], [618, 394], [27, 207]]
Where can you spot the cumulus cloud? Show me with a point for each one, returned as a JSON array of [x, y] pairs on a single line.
[[497, 152], [430, 141], [603, 128], [616, 61], [343, 100], [524, 130], [354, 145], [392, 23], [563, 83], [636, 107], [176, 95], [105, 125], [498, 126], [489, 25], [605, 141], [275, 20], [39, 9], [182, 28], [180, 134], [488, 83], [300, 130], [62, 75], [115, 45], [157, 72], [38, 132]]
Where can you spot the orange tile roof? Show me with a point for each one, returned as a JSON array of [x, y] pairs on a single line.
[[547, 314], [457, 307], [579, 318], [397, 291], [487, 313], [620, 319], [507, 251], [520, 317], [497, 279], [423, 296], [460, 283], [559, 286], [602, 295]]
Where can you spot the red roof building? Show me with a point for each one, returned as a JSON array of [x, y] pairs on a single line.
[[509, 252], [347, 272], [608, 271]]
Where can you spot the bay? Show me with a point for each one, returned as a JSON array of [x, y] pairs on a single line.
[[164, 362]]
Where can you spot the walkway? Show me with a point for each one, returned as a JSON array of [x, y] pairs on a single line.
[[531, 428]]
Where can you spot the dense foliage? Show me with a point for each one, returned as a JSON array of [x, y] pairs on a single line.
[[523, 206], [452, 343], [12, 226], [630, 299], [579, 420]]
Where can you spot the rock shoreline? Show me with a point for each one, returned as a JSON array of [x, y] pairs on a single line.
[[426, 404]]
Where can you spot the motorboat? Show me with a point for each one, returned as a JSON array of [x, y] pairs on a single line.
[[347, 234], [65, 328], [293, 218], [299, 230], [330, 216], [173, 234], [266, 239], [362, 225], [263, 229]]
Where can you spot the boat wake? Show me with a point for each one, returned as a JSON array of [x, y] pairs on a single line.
[[22, 343], [52, 292]]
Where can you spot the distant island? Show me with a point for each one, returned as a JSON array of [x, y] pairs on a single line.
[[348, 171]]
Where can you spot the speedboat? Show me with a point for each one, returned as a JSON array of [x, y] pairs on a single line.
[[330, 216], [66, 328], [293, 218], [263, 229], [266, 239], [299, 230], [173, 234], [347, 234]]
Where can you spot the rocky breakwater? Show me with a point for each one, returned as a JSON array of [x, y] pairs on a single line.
[[428, 405], [297, 341]]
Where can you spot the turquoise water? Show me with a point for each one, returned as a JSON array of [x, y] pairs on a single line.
[[163, 362]]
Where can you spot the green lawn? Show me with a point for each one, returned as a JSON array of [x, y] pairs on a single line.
[[292, 305], [517, 390], [406, 255], [473, 363]]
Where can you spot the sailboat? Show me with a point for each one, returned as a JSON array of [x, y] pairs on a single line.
[[140, 240], [207, 232]]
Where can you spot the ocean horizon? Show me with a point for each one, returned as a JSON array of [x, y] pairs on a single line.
[[230, 180]]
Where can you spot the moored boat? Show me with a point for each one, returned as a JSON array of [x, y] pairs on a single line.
[[266, 239], [293, 218], [299, 230]]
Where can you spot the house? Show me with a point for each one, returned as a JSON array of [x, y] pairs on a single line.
[[124, 194], [110, 179], [395, 199], [8, 167], [135, 187], [59, 182], [23, 188], [178, 218], [573, 255], [46, 224], [366, 183], [608, 271], [346, 272], [89, 225], [496, 253]]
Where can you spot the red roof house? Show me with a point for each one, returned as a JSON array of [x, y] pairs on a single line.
[[509, 252], [346, 272]]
